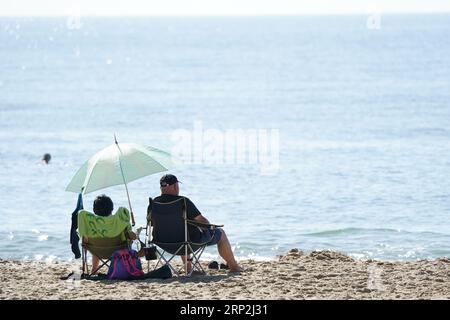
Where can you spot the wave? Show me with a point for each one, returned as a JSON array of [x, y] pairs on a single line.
[[352, 231]]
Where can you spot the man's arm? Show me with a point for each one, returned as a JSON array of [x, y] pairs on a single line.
[[202, 219], [193, 213]]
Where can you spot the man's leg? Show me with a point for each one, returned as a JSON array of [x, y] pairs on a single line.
[[189, 264], [226, 253]]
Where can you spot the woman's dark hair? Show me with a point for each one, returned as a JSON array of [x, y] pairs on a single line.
[[103, 206]]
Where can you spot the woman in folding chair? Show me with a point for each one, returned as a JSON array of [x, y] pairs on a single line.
[[103, 233], [210, 235]]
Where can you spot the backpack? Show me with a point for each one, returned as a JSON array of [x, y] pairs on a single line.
[[125, 265]]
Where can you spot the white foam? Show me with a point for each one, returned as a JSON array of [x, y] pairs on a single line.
[[357, 256], [51, 258], [409, 254], [43, 237], [38, 257], [254, 257]]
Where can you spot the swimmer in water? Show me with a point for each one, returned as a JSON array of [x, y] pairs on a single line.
[[46, 158]]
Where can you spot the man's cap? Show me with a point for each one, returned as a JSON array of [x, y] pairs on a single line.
[[167, 180]]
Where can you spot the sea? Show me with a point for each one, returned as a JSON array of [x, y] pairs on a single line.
[[356, 109]]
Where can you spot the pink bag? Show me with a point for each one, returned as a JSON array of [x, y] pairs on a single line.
[[125, 265]]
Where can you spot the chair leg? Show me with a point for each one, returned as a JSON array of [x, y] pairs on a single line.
[[82, 263], [104, 262], [159, 259], [167, 261], [85, 266], [194, 257], [196, 260], [186, 261]]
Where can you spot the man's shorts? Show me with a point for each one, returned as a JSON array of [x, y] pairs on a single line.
[[207, 234]]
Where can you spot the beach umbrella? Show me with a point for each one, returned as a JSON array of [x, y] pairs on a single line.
[[119, 164]]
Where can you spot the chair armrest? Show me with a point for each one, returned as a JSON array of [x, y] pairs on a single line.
[[204, 225]]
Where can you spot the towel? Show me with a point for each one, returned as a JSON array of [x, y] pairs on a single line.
[[74, 238], [93, 226]]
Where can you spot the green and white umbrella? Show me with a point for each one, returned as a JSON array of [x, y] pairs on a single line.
[[119, 164]]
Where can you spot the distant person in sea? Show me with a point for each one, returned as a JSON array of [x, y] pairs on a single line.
[[170, 191], [46, 158], [103, 207]]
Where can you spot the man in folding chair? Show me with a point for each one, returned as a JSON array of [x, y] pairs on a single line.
[[209, 235], [103, 233]]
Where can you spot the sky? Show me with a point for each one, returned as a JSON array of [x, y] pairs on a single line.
[[216, 7]]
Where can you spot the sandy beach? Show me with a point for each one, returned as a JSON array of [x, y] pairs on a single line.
[[296, 275]]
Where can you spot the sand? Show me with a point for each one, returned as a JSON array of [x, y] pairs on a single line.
[[296, 275]]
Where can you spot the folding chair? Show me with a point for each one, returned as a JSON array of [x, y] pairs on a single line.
[[172, 232], [103, 249], [102, 236]]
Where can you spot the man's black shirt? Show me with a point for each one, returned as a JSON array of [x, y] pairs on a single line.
[[192, 210]]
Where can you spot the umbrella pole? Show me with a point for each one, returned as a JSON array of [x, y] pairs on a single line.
[[125, 183], [129, 202]]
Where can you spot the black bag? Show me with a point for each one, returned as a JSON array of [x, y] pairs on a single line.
[[163, 272]]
